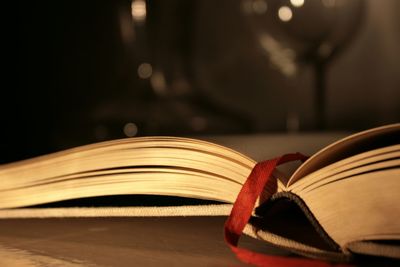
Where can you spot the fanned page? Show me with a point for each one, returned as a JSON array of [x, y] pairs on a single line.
[[355, 199], [352, 145], [149, 165], [159, 166]]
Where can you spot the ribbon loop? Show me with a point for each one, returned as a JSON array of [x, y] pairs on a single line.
[[259, 178]]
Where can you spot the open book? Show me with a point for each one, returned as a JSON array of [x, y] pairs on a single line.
[[342, 200]]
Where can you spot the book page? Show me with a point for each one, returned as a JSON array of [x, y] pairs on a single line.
[[347, 147], [365, 162], [364, 207], [149, 165]]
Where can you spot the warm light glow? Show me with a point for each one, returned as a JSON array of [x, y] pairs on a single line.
[[259, 6], [281, 57], [127, 30], [158, 83], [138, 10], [130, 129], [285, 13], [329, 3], [297, 3], [145, 70]]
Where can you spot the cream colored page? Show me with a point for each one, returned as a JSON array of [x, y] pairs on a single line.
[[363, 207], [365, 162], [159, 165], [324, 157], [112, 154], [174, 184]]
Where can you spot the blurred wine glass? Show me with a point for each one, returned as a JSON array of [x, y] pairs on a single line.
[[170, 40], [293, 33]]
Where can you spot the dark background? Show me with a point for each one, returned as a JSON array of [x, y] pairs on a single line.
[[72, 70]]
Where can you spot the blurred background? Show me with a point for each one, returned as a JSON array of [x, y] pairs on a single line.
[[79, 72]]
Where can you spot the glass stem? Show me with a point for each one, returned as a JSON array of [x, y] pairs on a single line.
[[320, 96]]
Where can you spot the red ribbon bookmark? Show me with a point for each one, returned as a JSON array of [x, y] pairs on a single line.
[[259, 178]]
